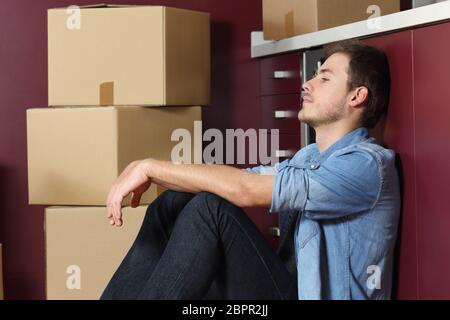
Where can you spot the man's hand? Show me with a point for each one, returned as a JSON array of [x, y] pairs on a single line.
[[133, 180]]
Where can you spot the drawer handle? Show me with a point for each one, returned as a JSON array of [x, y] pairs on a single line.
[[284, 153], [284, 114], [274, 231], [282, 75]]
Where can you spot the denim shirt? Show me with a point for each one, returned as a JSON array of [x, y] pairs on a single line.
[[348, 204]]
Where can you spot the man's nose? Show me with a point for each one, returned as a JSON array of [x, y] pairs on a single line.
[[306, 87]]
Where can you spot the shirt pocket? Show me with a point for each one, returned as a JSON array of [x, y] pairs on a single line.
[[307, 230]]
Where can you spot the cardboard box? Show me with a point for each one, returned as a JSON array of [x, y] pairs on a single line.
[[288, 18], [83, 250], [1, 272], [137, 55], [76, 154]]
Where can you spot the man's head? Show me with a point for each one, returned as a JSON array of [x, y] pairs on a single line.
[[352, 85]]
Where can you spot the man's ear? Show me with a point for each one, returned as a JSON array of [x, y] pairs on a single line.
[[359, 97]]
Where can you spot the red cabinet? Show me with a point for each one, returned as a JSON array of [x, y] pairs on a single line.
[[289, 144], [281, 112], [281, 74], [280, 81], [399, 136], [418, 129], [431, 51]]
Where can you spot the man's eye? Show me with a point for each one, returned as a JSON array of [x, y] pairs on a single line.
[[325, 79]]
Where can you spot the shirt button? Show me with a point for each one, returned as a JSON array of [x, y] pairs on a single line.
[[313, 166]]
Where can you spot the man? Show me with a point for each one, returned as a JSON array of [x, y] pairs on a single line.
[[338, 201]]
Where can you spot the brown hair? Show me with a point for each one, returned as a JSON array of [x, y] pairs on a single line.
[[368, 67]]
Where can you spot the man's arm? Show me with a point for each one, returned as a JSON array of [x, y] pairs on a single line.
[[243, 188]]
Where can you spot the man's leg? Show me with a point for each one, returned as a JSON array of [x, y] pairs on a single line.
[[148, 247], [214, 240]]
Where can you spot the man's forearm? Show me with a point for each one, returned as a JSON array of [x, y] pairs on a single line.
[[240, 187]]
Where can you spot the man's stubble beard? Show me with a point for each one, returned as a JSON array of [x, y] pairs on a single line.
[[335, 115]]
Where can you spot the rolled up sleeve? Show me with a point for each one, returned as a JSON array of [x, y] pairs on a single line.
[[262, 170], [266, 169], [342, 185], [289, 189]]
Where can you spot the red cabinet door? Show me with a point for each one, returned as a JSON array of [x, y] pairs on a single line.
[[281, 112], [399, 136], [431, 51], [281, 74], [280, 81]]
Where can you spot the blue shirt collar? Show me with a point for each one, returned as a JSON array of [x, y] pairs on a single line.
[[349, 139]]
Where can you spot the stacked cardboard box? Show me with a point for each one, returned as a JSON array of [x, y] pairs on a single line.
[[148, 55], [75, 154], [83, 250], [288, 18], [122, 79]]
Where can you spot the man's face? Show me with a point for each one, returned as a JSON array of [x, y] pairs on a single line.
[[325, 95]]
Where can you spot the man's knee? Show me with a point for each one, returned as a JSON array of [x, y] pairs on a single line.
[[169, 201], [207, 199], [212, 204], [171, 196]]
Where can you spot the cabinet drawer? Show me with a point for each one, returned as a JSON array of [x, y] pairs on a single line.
[[288, 145], [281, 74], [280, 112]]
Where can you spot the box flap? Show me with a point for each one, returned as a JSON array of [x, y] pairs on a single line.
[[100, 6], [106, 5]]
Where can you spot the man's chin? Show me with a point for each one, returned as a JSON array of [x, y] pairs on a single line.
[[310, 122], [305, 119]]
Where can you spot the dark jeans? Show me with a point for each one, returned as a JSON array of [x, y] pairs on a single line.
[[190, 246]]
